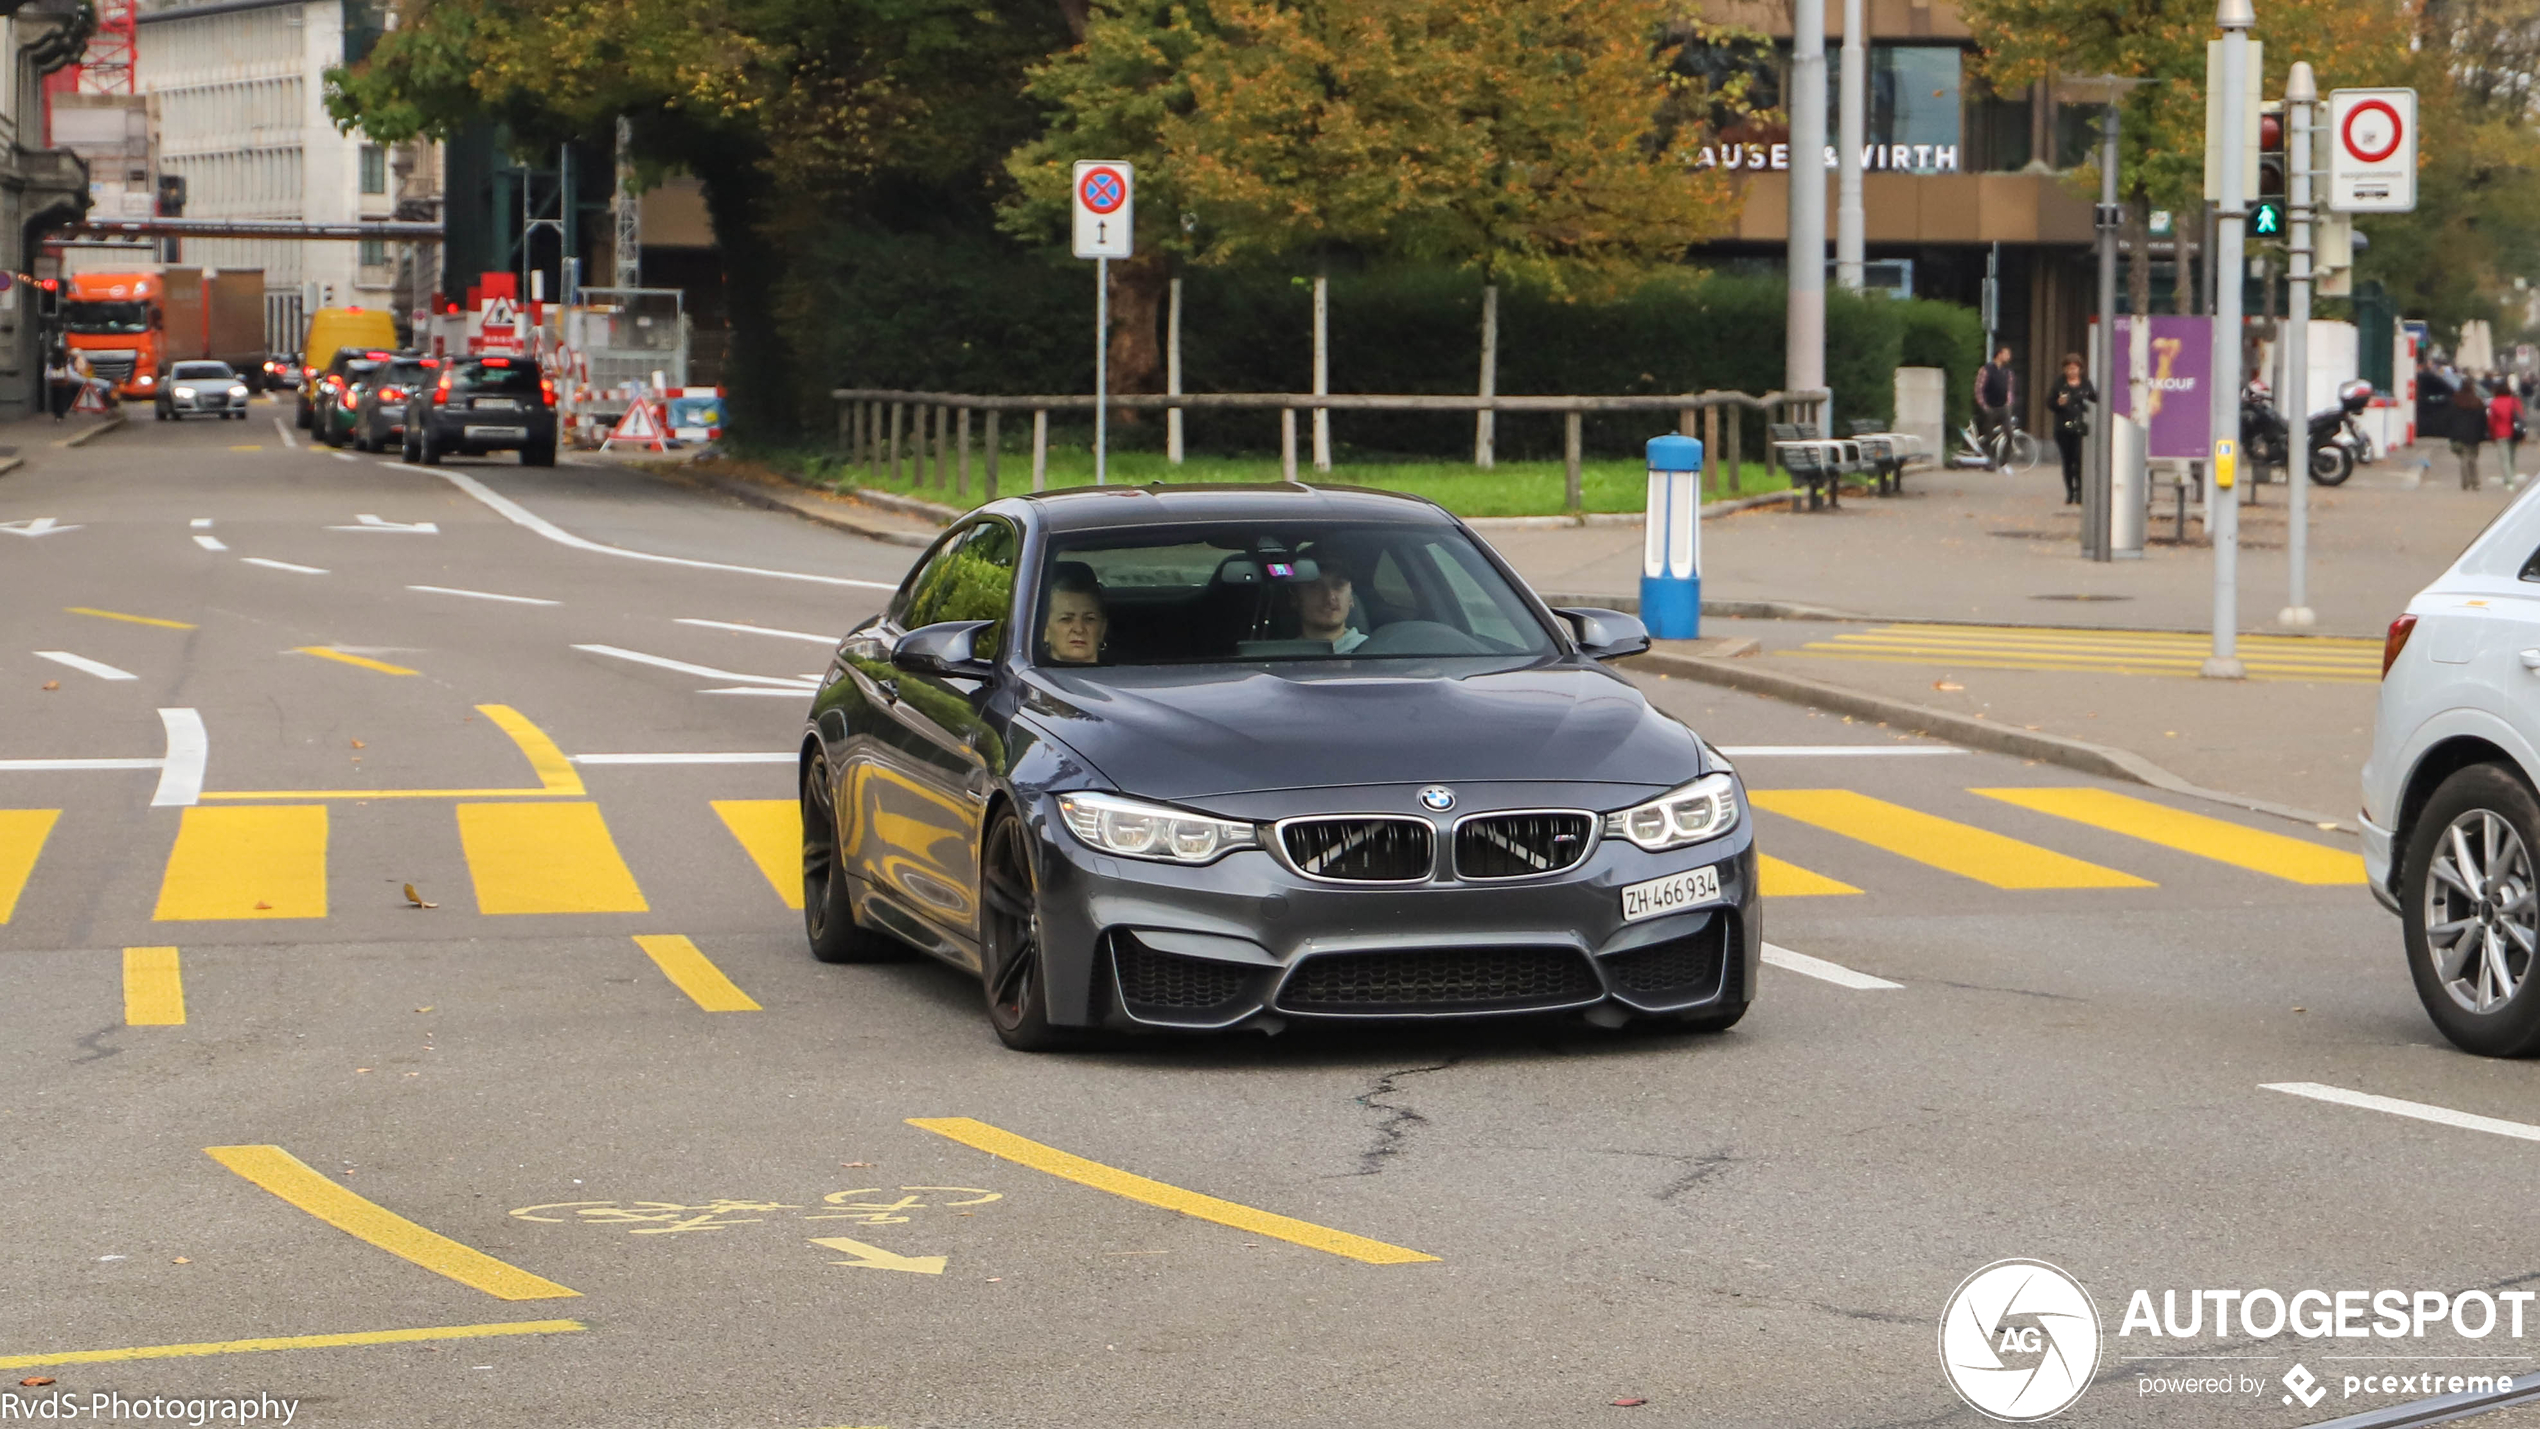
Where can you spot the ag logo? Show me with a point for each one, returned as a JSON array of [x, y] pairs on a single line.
[[2019, 1340]]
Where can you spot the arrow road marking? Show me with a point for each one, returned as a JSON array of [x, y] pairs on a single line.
[[40, 526], [211, 543], [519, 515], [373, 523], [85, 665], [873, 1257]]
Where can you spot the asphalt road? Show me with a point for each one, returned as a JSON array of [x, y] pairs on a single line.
[[533, 1122]]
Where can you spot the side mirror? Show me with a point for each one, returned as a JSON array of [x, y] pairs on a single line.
[[1607, 634], [944, 651]]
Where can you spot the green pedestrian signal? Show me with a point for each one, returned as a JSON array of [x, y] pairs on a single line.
[[2266, 219]]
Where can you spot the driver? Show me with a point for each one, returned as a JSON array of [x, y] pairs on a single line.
[[1073, 632], [1323, 604]]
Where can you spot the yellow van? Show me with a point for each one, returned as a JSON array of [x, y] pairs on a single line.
[[331, 330]]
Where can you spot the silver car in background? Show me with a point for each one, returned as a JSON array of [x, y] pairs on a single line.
[[197, 387]]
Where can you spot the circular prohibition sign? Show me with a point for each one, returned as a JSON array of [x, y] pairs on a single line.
[[2388, 116], [1103, 190]]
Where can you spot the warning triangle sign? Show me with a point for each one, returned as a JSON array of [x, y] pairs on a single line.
[[640, 425], [92, 398]]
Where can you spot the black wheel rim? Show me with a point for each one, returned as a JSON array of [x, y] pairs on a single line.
[[1012, 932], [820, 843]]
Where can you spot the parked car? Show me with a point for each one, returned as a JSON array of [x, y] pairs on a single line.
[[2451, 827], [1191, 759], [379, 417], [338, 393], [484, 404], [198, 386]]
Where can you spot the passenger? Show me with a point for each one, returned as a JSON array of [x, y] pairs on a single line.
[[1076, 625], [1323, 604]]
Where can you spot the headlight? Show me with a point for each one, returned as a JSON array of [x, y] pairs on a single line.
[[238, 389], [1705, 808], [1140, 830], [182, 391], [147, 379]]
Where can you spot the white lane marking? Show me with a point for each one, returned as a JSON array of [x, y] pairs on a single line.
[[1770, 751], [40, 526], [343, 456], [711, 673], [2467, 1121], [284, 431], [189, 747], [85, 665], [482, 595], [201, 523], [1835, 973], [759, 630], [519, 515], [211, 543], [283, 566], [776, 758], [48, 766], [373, 523], [795, 690]]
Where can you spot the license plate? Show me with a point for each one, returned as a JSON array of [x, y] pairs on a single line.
[[498, 431], [1671, 894], [496, 404]]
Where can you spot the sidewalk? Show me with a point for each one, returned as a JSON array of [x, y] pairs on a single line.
[[1986, 548]]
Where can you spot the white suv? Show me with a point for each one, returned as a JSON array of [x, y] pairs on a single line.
[[2451, 823]]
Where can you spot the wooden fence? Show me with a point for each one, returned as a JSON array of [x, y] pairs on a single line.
[[876, 430]]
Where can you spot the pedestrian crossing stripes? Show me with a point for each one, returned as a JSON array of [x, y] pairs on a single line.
[[153, 988], [2115, 652], [254, 862]]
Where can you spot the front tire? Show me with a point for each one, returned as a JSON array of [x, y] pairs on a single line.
[[2330, 466], [2470, 907], [429, 450], [1014, 966], [828, 914]]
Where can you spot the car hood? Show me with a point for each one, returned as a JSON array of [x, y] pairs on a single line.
[[1187, 732]]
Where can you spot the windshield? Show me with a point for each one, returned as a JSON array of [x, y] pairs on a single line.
[[202, 371], [1163, 595], [517, 375], [408, 375], [106, 317]]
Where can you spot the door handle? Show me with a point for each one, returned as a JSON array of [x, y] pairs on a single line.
[[2531, 660]]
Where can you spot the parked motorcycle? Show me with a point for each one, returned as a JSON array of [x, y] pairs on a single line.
[[2330, 434]]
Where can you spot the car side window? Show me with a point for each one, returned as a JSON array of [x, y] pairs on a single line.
[[2531, 568], [970, 578]]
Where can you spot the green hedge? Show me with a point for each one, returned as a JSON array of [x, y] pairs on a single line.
[[969, 312], [1951, 338]]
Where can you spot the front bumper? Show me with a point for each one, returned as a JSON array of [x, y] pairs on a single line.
[[493, 431], [1246, 942], [203, 401]]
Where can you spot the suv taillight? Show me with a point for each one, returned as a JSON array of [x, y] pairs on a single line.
[[2395, 641], [547, 390]]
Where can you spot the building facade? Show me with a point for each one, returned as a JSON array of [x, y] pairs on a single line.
[[41, 187]]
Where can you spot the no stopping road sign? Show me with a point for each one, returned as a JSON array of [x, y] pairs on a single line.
[[1103, 192], [2372, 150]]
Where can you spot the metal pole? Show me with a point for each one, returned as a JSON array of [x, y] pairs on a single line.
[[1040, 449], [1572, 497], [1102, 367], [1172, 373], [2235, 17], [2301, 91], [1852, 124], [988, 478], [2102, 471], [1322, 370], [1804, 358]]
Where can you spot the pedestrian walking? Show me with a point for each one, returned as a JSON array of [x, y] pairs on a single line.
[[2468, 427], [1996, 388], [61, 385], [2071, 401], [2504, 428]]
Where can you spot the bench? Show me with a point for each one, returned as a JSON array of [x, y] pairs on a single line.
[[1889, 454], [1818, 463]]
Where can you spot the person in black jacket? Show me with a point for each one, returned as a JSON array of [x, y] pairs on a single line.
[[1995, 391], [2071, 402]]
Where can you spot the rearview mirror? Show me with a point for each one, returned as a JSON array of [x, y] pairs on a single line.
[[943, 650], [1607, 634]]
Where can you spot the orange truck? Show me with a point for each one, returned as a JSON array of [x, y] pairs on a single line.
[[133, 326]]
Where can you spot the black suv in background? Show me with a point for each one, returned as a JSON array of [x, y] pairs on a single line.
[[379, 411], [484, 404]]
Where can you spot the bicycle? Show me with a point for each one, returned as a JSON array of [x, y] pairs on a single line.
[[2006, 448]]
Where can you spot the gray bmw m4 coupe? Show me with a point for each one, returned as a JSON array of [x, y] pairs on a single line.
[[1202, 758]]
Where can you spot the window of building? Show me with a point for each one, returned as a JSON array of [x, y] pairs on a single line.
[[374, 169], [1915, 93], [374, 252]]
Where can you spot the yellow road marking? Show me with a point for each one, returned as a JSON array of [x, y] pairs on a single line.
[[545, 858], [2297, 860], [153, 988], [1155, 1193], [1956, 662], [557, 777], [1776, 879], [2069, 649], [22, 835], [130, 619], [691, 971], [286, 1176], [228, 861], [771, 833], [293, 1342], [248, 447], [1941, 843], [2163, 656], [362, 661]]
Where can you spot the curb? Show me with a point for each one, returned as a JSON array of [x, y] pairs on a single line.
[[11, 464], [2087, 758], [934, 511], [750, 495], [1793, 610], [102, 428], [1632, 518]]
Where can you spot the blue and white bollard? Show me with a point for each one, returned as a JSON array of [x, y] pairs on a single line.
[[1671, 554]]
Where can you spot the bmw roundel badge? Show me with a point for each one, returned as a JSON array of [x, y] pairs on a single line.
[[1438, 797]]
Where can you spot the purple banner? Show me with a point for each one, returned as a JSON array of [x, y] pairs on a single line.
[[2181, 361]]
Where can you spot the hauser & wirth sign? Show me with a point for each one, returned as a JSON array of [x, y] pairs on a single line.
[[1900, 158]]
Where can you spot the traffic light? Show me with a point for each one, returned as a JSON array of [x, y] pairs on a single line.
[[2266, 207], [48, 297]]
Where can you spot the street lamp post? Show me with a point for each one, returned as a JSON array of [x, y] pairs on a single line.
[[1852, 131], [1804, 358], [2098, 488], [2301, 91], [2235, 17]]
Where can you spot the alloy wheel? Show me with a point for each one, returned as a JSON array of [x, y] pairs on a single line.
[[1008, 919], [2482, 911], [820, 837]]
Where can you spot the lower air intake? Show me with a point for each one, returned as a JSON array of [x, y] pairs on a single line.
[[1440, 980]]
